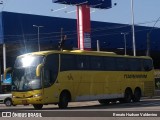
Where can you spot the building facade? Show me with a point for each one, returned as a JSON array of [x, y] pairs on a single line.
[[19, 36]]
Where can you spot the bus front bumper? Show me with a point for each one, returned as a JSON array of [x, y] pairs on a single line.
[[26, 101]]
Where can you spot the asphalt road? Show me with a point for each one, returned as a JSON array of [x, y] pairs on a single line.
[[146, 108]]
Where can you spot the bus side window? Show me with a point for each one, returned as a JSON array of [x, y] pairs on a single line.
[[67, 62], [82, 62], [110, 63], [96, 63], [51, 69], [122, 64], [135, 65], [147, 64]]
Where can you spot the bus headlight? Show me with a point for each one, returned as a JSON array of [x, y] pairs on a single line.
[[37, 95]]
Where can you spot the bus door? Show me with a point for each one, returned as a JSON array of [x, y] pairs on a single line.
[[50, 73]]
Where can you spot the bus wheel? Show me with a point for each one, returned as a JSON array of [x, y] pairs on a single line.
[[38, 106], [137, 95], [104, 102], [63, 101], [128, 96]]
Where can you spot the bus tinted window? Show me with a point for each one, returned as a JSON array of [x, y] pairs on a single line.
[[82, 62], [51, 69], [109, 63], [135, 64], [147, 64], [67, 62], [122, 64], [96, 63]]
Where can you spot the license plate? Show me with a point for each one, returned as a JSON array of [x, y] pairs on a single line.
[[24, 102]]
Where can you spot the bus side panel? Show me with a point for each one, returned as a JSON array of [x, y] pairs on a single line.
[[81, 87], [142, 80], [113, 85], [97, 85], [149, 84]]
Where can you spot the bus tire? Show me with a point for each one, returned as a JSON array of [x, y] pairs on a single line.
[[38, 106], [64, 99], [128, 95], [104, 102], [137, 95]]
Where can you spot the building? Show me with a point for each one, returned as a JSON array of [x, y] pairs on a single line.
[[19, 35]]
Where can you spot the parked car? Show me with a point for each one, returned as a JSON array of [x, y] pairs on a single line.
[[6, 99]]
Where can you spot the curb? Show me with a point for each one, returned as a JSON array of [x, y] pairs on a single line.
[[151, 97]]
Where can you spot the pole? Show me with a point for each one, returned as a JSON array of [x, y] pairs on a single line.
[[148, 38], [134, 44], [4, 56], [84, 27], [98, 47], [61, 34], [148, 45], [60, 44], [38, 41], [38, 28], [125, 44]]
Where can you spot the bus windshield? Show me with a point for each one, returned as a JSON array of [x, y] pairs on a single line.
[[24, 73]]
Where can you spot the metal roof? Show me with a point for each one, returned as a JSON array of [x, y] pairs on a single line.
[[101, 4]]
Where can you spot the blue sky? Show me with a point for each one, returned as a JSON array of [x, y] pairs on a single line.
[[145, 11]]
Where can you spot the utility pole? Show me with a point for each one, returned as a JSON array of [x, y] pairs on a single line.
[[148, 38], [148, 45], [61, 43]]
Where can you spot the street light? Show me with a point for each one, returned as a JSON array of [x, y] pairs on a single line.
[[38, 27], [125, 43], [134, 44]]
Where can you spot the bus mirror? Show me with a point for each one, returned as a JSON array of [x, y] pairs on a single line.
[[6, 71], [38, 70]]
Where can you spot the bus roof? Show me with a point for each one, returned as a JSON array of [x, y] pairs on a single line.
[[82, 52]]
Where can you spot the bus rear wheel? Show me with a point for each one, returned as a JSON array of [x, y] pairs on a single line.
[[137, 95], [63, 101], [38, 106], [128, 96]]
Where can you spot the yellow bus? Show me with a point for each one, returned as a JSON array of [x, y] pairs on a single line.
[[60, 77]]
